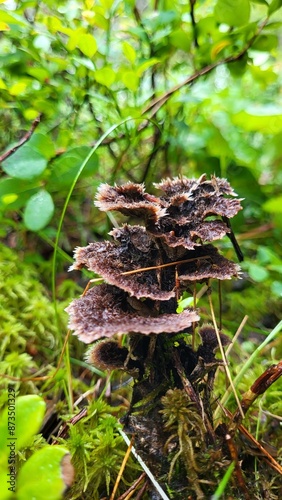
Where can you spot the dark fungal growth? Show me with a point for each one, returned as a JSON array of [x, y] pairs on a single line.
[[146, 268]]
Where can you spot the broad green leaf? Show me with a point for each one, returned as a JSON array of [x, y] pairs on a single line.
[[14, 193], [146, 64], [65, 167], [30, 114], [130, 80], [28, 410], [38, 211], [18, 88], [54, 24], [264, 76], [180, 39], [232, 12], [40, 74], [106, 76], [74, 36], [274, 205], [25, 163], [274, 5], [277, 268], [45, 475], [43, 144], [265, 256], [30, 160], [99, 19], [257, 273], [238, 68], [217, 144], [87, 44], [15, 19], [264, 120], [276, 288], [129, 52], [265, 43]]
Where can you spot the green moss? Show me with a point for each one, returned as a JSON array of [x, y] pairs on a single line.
[[97, 453], [29, 336]]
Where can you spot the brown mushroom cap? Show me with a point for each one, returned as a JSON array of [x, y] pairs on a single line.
[[103, 312]]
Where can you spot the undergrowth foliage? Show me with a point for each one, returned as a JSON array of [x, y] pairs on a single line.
[[170, 355]]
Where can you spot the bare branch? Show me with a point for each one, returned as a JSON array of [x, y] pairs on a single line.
[[24, 139], [193, 21]]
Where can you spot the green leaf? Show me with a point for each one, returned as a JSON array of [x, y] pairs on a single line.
[[238, 68], [273, 205], [30, 160], [25, 163], [129, 52], [45, 475], [43, 144], [180, 39], [87, 44], [265, 43], [276, 288], [38, 211], [257, 273], [130, 80], [274, 6], [232, 12], [277, 268], [14, 193], [8, 18], [65, 167], [29, 411], [146, 64], [265, 119], [106, 76]]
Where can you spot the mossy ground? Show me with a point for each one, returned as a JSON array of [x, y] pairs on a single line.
[[32, 336]]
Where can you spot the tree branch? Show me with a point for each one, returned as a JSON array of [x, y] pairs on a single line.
[[24, 139], [156, 104], [193, 21]]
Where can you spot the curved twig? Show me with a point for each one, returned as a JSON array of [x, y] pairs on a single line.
[[24, 139]]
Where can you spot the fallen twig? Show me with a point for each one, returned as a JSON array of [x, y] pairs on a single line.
[[22, 141]]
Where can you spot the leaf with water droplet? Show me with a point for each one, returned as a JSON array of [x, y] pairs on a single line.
[[38, 211]]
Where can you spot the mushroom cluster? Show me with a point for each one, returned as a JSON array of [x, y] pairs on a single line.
[[146, 267]]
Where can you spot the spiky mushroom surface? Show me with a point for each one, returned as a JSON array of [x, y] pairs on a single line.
[[104, 311]]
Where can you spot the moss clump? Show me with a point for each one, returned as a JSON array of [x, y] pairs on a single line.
[[97, 451], [29, 333]]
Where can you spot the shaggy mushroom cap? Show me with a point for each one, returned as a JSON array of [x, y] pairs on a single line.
[[129, 199], [189, 203], [206, 262], [179, 217], [131, 250], [143, 265], [104, 311]]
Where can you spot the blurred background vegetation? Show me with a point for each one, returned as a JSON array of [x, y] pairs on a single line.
[[176, 87]]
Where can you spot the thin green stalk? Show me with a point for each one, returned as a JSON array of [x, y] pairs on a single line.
[[56, 246], [247, 365], [223, 483]]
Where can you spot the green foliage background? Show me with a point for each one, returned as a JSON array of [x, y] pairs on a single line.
[[86, 66], [187, 88]]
